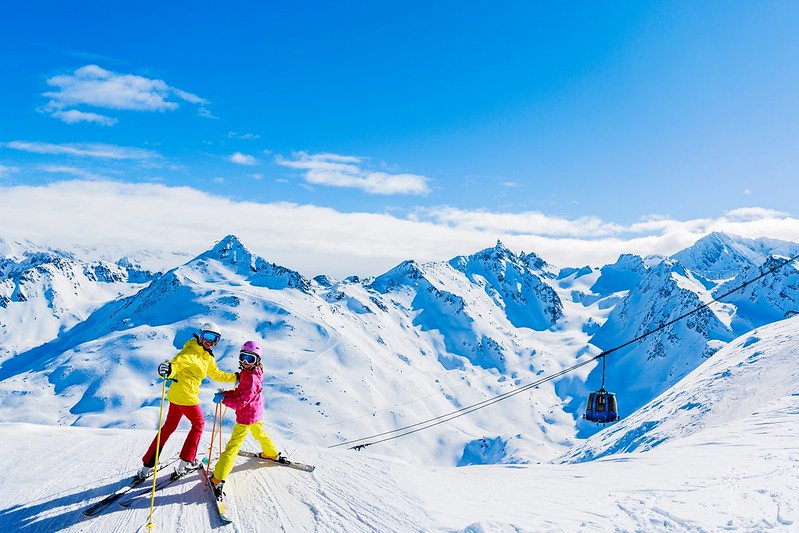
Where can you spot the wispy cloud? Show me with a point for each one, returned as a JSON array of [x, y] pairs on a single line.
[[98, 150], [206, 113], [243, 136], [97, 87], [242, 159], [73, 116], [6, 170], [72, 171], [316, 239], [347, 171]]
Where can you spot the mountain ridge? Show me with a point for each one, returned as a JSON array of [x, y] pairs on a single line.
[[456, 331]]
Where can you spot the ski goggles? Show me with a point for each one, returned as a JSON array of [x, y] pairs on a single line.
[[210, 336], [248, 357]]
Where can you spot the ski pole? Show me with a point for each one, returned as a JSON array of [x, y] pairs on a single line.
[[221, 420], [157, 450], [211, 447]]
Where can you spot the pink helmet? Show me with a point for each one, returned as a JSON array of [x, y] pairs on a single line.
[[253, 348]]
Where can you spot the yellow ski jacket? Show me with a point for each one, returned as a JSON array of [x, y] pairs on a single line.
[[189, 367]]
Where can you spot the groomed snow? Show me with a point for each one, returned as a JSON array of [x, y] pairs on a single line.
[[740, 473], [743, 476]]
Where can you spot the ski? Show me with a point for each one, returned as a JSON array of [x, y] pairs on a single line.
[[282, 462], [95, 509], [219, 501], [158, 486]]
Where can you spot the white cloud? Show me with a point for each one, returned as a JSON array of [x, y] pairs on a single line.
[[206, 113], [522, 223], [243, 136], [346, 171], [242, 159], [73, 116], [98, 150], [6, 170], [744, 214], [72, 171], [315, 239], [94, 86]]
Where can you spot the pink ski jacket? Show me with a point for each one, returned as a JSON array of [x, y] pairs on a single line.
[[246, 399]]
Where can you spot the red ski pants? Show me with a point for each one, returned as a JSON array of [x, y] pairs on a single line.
[[173, 416]]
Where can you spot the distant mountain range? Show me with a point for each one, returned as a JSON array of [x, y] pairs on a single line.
[[80, 339]]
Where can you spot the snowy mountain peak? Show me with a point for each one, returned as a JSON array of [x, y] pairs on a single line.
[[454, 332], [48, 291], [536, 263], [324, 280], [496, 254], [232, 254], [499, 253], [406, 273], [622, 275], [721, 255], [230, 250], [526, 299]]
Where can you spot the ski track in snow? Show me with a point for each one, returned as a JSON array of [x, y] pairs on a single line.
[[742, 476]]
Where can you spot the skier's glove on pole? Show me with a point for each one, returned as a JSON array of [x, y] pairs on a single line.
[[164, 369], [219, 396]]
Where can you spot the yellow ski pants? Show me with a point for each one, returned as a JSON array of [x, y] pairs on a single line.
[[225, 463]]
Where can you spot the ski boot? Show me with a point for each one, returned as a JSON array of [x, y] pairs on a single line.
[[184, 467]]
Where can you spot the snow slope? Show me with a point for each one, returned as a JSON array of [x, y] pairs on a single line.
[[740, 477], [741, 381], [344, 360], [720, 255], [735, 468], [44, 292], [352, 358]]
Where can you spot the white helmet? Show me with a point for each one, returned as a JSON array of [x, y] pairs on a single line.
[[213, 327]]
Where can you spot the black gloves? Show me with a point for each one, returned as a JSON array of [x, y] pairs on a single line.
[[164, 369]]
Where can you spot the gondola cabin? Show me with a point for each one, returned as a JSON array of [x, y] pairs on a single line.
[[601, 407]]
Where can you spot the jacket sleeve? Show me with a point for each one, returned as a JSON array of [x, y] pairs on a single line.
[[179, 362], [243, 394], [219, 375]]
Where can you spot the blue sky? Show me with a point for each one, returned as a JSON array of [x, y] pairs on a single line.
[[597, 115]]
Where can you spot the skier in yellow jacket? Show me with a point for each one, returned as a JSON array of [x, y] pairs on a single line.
[[187, 370]]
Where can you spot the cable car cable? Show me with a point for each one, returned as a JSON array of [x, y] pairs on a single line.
[[431, 422]]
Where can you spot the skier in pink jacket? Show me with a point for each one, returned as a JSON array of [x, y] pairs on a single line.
[[246, 399]]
